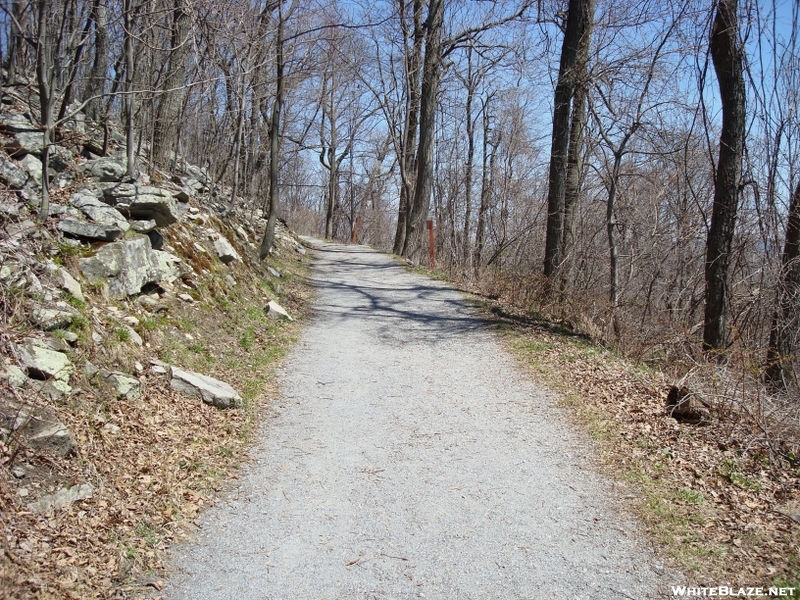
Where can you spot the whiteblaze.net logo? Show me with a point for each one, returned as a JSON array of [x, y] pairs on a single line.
[[733, 592]]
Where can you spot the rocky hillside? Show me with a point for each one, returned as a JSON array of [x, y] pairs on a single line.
[[139, 329]]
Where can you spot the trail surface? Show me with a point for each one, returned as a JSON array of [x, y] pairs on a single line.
[[408, 458]]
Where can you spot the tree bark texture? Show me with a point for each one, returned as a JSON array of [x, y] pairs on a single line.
[[727, 55], [431, 76], [783, 339], [171, 103], [577, 35]]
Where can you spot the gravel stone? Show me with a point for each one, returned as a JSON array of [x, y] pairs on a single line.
[[408, 457]]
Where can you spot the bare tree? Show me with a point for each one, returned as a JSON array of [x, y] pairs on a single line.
[[727, 54]]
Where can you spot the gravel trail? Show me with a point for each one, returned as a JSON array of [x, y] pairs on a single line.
[[409, 458]]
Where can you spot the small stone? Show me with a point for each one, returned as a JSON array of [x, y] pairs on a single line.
[[63, 497], [18, 472], [111, 428], [276, 311], [124, 386], [211, 391], [133, 336], [158, 370], [138, 366], [70, 337], [131, 320], [67, 282], [143, 226], [300, 250], [230, 280], [23, 492], [49, 319], [15, 376], [186, 297], [273, 272], [89, 369], [97, 338], [225, 251], [42, 363]]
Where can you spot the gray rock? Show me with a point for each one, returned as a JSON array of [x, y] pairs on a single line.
[[26, 138], [273, 272], [14, 123], [33, 167], [124, 386], [162, 209], [107, 168], [54, 389], [9, 210], [49, 319], [63, 497], [133, 336], [67, 282], [12, 175], [144, 202], [92, 231], [42, 363], [211, 391], [70, 337], [98, 211], [145, 226], [225, 251], [128, 265], [276, 311], [40, 426], [15, 376]]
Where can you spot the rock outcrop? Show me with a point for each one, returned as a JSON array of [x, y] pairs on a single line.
[[211, 391]]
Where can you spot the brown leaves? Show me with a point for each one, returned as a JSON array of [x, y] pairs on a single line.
[[708, 495]]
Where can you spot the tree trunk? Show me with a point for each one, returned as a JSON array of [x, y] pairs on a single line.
[[44, 79], [579, 19], [275, 136], [409, 136], [169, 108], [469, 166], [783, 342], [130, 142], [431, 75], [728, 57], [486, 178], [96, 80]]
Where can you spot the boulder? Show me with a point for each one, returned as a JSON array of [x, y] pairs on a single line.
[[26, 138], [92, 231], [225, 251], [12, 175], [33, 167], [124, 386], [144, 202], [42, 363], [67, 282], [276, 311], [39, 425], [49, 319], [211, 391], [14, 376], [142, 226], [63, 497], [128, 265], [98, 211], [108, 168]]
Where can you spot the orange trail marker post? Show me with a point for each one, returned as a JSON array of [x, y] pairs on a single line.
[[355, 230], [430, 243]]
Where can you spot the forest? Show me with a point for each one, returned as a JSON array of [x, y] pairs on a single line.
[[628, 168]]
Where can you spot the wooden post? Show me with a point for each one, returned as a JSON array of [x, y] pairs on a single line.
[[355, 230], [430, 243]]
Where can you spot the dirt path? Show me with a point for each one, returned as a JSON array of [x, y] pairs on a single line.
[[408, 458]]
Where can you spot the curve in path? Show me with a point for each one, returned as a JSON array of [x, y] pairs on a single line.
[[408, 458]]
